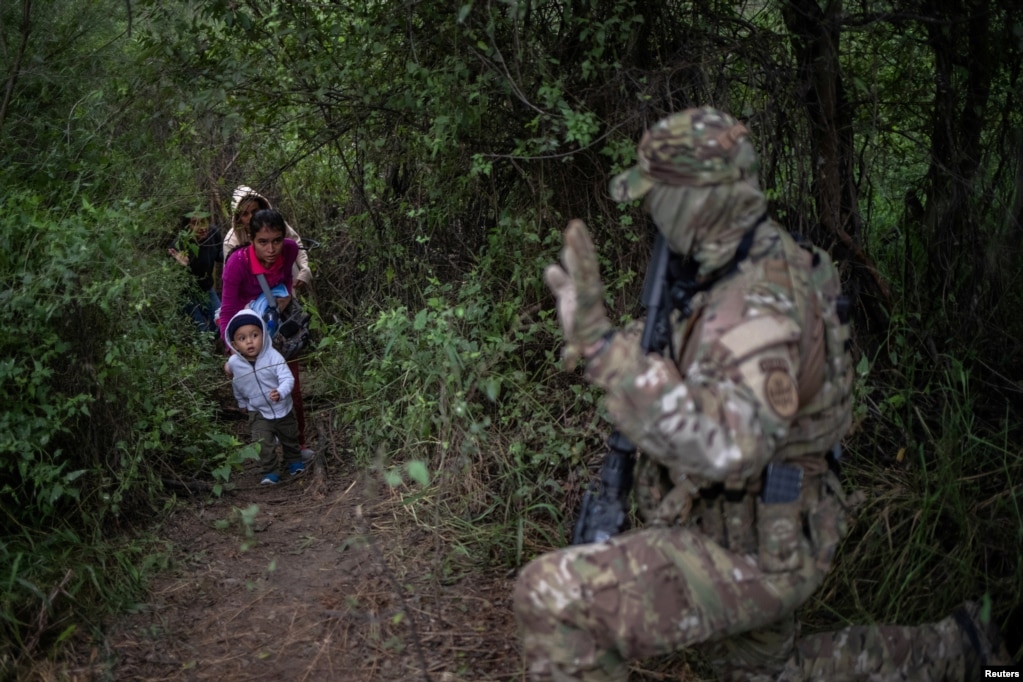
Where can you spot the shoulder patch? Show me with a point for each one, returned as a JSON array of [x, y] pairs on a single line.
[[757, 333], [780, 391]]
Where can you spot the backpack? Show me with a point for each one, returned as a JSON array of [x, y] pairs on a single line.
[[288, 328]]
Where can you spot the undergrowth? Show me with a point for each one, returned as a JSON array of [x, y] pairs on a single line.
[[943, 519], [108, 396], [468, 386]]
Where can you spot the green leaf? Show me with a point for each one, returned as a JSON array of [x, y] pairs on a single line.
[[419, 323], [67, 632], [418, 472], [492, 388]]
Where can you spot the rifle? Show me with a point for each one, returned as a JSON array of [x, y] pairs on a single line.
[[603, 512]]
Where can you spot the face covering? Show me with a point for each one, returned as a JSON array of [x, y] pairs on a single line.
[[706, 223]]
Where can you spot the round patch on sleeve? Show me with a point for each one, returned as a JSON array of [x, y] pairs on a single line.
[[780, 391]]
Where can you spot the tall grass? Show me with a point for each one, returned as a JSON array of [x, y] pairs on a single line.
[[468, 384], [943, 518]]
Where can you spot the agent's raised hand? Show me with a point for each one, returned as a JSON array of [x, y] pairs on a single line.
[[579, 293]]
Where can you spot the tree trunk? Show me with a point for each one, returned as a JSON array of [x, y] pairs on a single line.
[[959, 36], [815, 33], [12, 77]]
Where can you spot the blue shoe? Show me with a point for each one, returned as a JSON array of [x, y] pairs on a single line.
[[296, 468], [270, 479]]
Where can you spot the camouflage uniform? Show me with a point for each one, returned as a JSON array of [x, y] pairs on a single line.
[[760, 376]]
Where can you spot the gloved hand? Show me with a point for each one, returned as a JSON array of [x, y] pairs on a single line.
[[579, 293]]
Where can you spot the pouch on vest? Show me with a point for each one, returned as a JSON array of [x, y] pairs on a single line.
[[829, 519], [780, 519], [712, 520], [738, 516], [779, 536]]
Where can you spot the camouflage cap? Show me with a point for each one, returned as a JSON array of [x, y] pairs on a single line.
[[696, 148]]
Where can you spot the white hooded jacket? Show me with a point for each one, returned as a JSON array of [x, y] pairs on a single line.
[[253, 380]]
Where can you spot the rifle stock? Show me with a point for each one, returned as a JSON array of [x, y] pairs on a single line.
[[604, 509]]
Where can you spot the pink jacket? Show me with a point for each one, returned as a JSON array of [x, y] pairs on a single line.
[[241, 285]]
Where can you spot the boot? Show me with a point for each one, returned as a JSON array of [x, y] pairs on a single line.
[[983, 642]]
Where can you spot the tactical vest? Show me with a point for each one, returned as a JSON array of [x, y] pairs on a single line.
[[824, 381], [807, 276], [825, 374]]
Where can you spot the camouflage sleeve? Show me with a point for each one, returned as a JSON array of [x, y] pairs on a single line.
[[720, 421]]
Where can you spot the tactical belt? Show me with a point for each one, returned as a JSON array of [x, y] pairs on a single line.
[[780, 483]]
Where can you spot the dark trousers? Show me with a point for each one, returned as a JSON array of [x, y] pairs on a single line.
[[286, 431]]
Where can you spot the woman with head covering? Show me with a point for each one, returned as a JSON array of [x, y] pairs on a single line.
[[245, 201]]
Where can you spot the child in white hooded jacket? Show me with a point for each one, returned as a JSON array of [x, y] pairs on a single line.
[[262, 385]]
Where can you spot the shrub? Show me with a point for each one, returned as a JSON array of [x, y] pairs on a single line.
[[468, 384], [106, 389]]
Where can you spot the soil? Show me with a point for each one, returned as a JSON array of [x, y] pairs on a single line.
[[326, 576], [331, 579]]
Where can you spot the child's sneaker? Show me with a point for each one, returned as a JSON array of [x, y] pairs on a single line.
[[270, 479], [307, 454], [296, 468]]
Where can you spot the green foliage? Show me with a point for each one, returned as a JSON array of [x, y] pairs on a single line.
[[468, 385], [106, 390], [245, 520], [943, 508], [416, 471], [436, 152], [81, 116], [231, 455], [51, 583], [84, 325]]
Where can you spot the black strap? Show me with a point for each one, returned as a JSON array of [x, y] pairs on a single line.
[[969, 628], [685, 287]]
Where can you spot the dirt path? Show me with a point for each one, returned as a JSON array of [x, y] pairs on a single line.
[[324, 577]]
